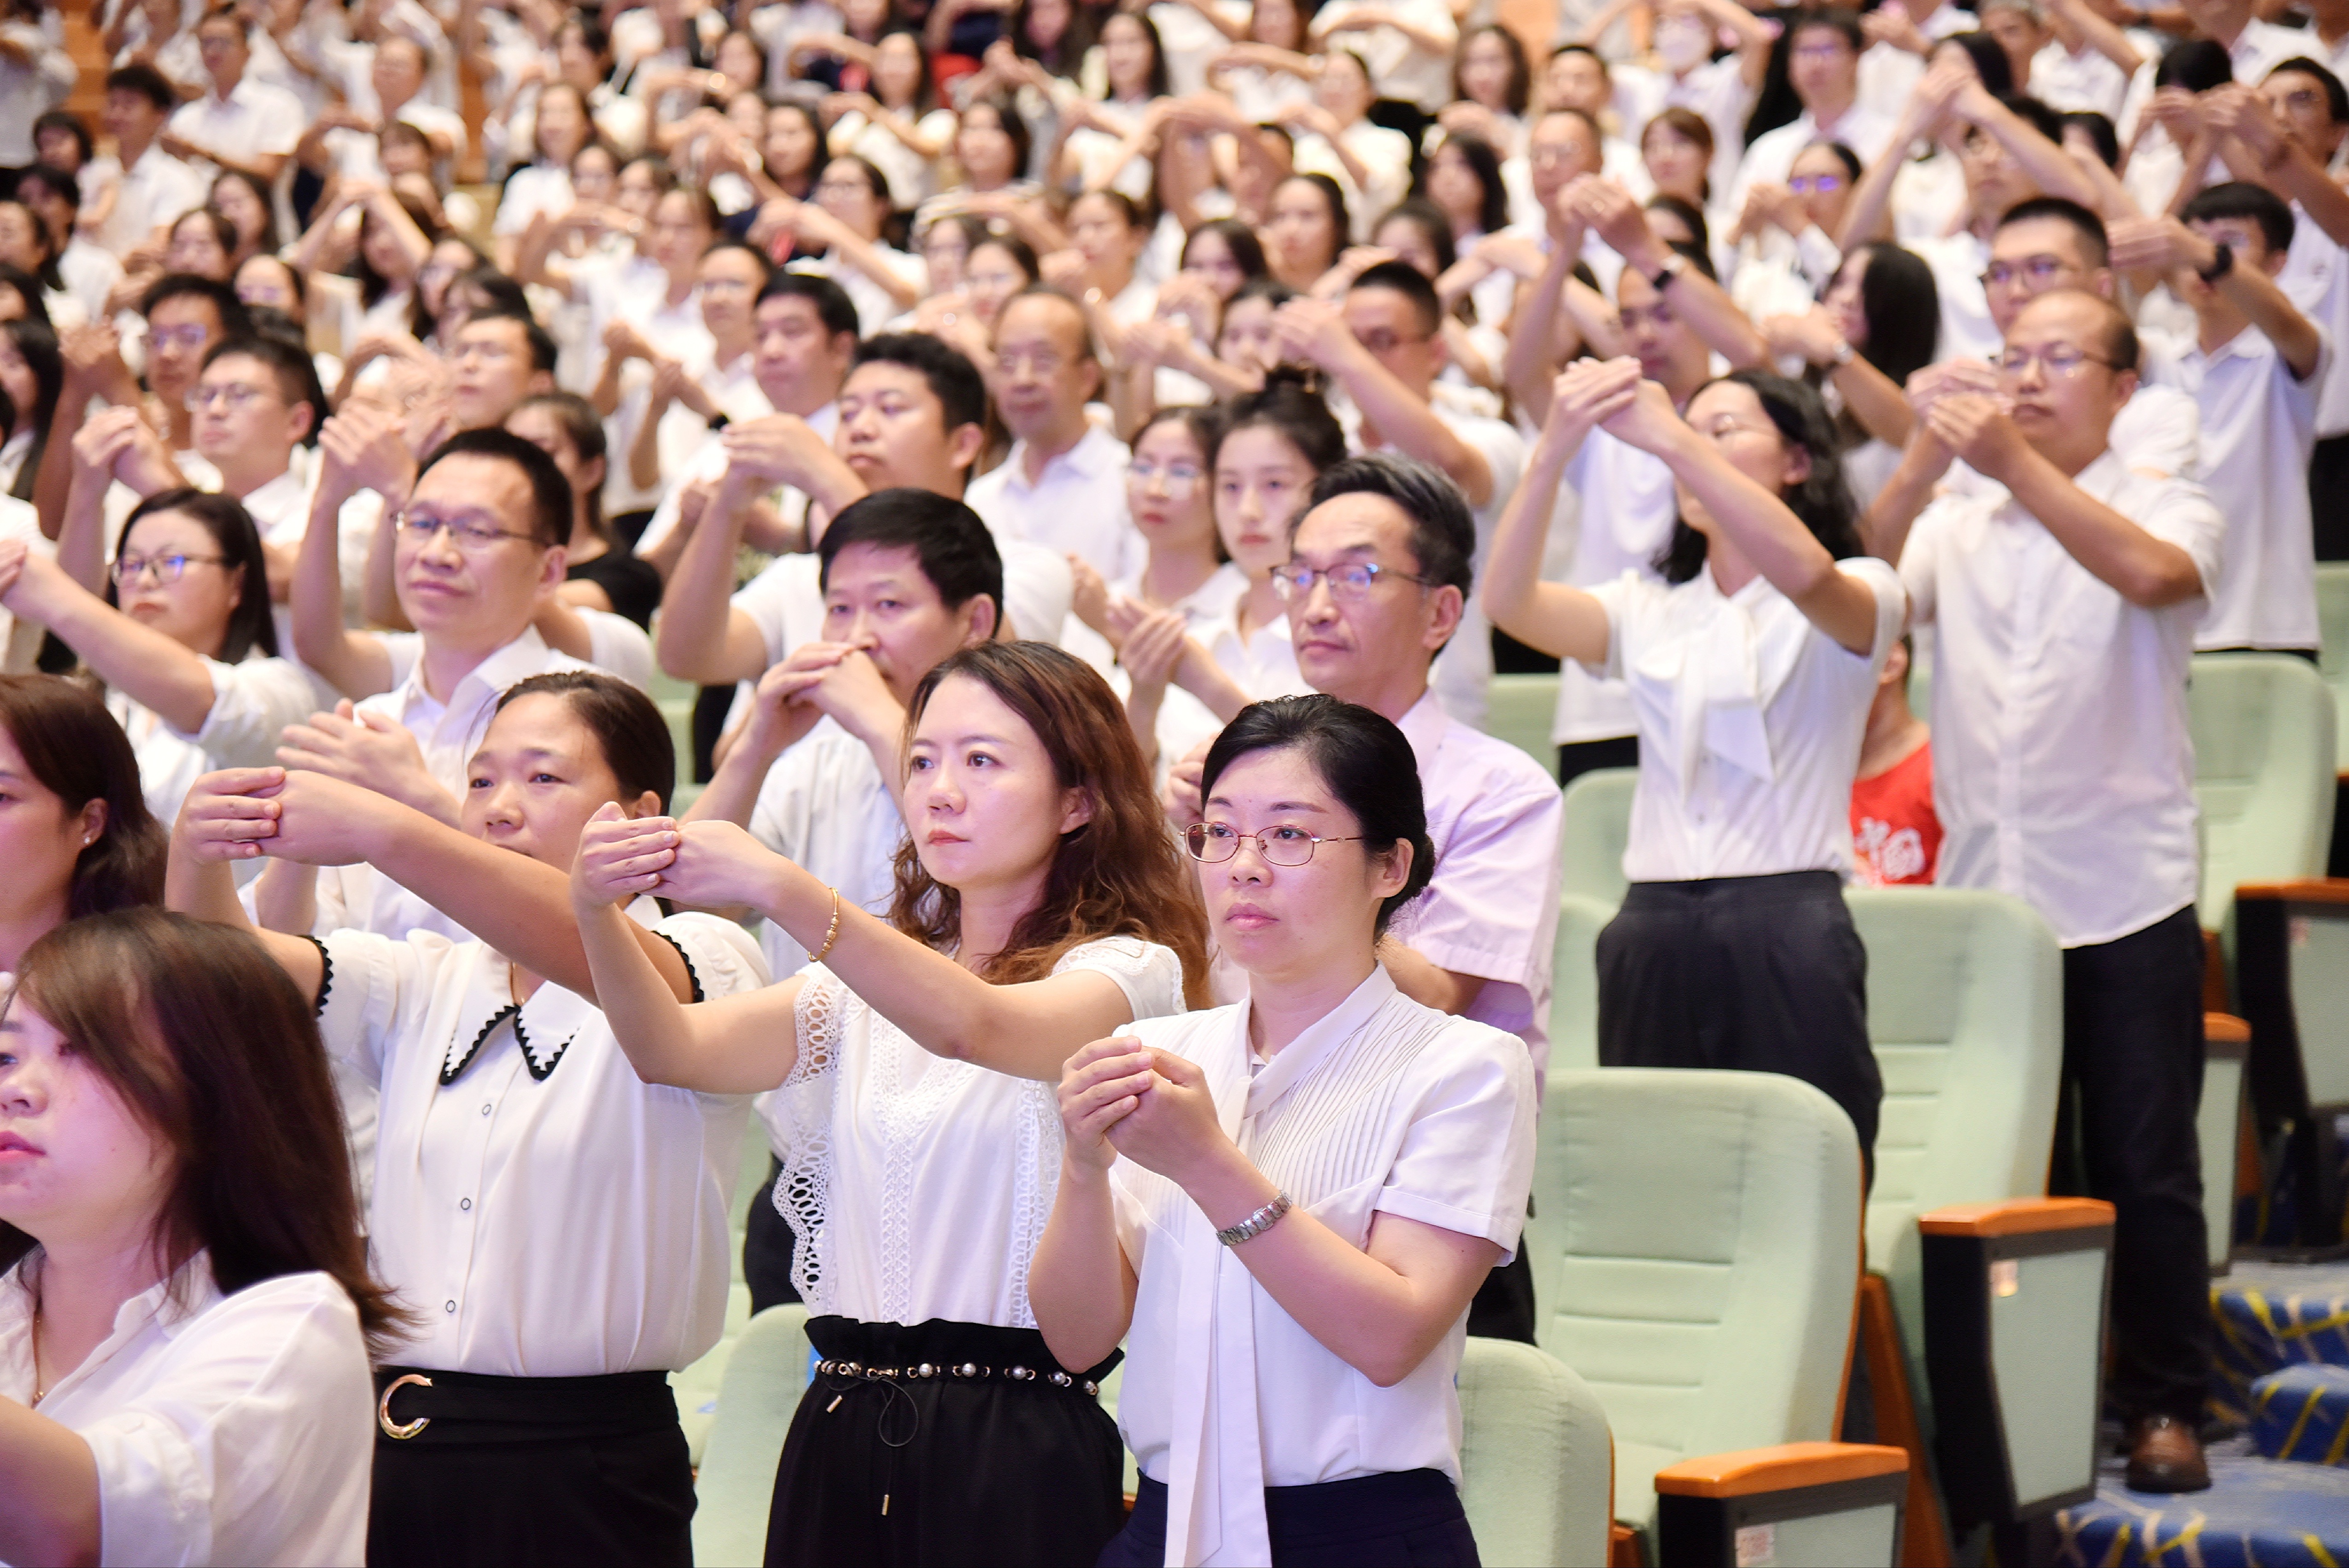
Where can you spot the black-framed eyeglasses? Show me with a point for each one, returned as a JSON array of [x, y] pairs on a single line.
[[1215, 843], [1349, 581], [130, 569], [419, 528]]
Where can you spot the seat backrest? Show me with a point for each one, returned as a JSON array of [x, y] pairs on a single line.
[[2332, 625], [1574, 981], [1597, 822], [764, 1379], [1965, 1009], [2264, 772], [1536, 1467], [1696, 1258], [1519, 710]]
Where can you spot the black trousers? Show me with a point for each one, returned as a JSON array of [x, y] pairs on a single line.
[[2125, 1133], [1756, 973], [2328, 495], [925, 1472], [1404, 1519], [513, 1472], [1580, 757]]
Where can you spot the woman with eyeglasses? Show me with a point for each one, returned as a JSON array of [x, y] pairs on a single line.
[[1751, 667], [1283, 1207], [843, 228], [1878, 325], [1787, 249], [1039, 904], [183, 638]]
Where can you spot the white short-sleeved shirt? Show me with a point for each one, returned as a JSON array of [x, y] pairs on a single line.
[[1381, 1106], [1958, 260], [2063, 767], [825, 807], [875, 307], [920, 1186], [529, 191], [155, 189], [1385, 157], [1400, 69], [1628, 509], [2259, 429], [546, 1212], [1491, 908], [255, 119], [1750, 723], [2077, 81], [2315, 278], [1077, 507], [912, 178], [1771, 158], [253, 702], [236, 1429]]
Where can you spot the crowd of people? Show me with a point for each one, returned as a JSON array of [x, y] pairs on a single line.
[[1092, 461]]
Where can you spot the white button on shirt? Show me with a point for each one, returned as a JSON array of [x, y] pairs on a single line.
[[554, 1215], [2258, 427], [1381, 1106], [235, 1428], [1750, 723], [2062, 770], [921, 1184], [1076, 507], [1491, 908]]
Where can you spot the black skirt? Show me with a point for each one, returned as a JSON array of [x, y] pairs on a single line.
[[511, 1473], [1406, 1519], [944, 1443]]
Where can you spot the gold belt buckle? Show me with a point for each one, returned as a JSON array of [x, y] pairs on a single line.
[[392, 1428]]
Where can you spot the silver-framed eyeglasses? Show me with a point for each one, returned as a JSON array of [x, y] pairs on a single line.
[[1348, 582], [467, 533], [1215, 843], [130, 569], [2058, 359]]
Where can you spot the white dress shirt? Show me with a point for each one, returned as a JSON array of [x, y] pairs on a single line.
[[1076, 507], [360, 898], [254, 119], [1628, 509], [1400, 68], [1771, 158], [1381, 1106], [1491, 908], [1957, 262], [1715, 90], [253, 702], [2315, 278], [90, 272], [30, 87], [235, 1428], [874, 304], [1385, 157], [1750, 723], [2077, 81], [546, 1214], [825, 807], [2259, 429], [2063, 769], [1262, 663], [919, 1186], [156, 190]]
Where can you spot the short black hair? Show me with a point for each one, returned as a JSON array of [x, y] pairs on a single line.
[[2197, 64], [250, 624], [2241, 199], [1991, 64], [147, 82], [1402, 278], [2337, 97], [1443, 530], [956, 551], [72, 125], [2036, 114], [635, 738], [1836, 18], [1365, 761], [234, 321], [2064, 210], [734, 243], [290, 363], [550, 492], [953, 379], [2098, 129], [833, 306], [541, 344], [226, 13]]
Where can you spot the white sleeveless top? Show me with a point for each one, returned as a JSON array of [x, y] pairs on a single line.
[[920, 1186]]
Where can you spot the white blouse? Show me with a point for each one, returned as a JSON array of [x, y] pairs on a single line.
[[253, 702], [1384, 1105], [548, 1213], [920, 1186], [236, 1429], [1750, 723]]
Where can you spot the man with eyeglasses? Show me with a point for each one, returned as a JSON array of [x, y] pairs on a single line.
[[477, 547], [2064, 597], [1063, 486], [1822, 67], [1378, 576], [1384, 346]]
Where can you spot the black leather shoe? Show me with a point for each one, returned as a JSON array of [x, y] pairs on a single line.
[[2164, 1454]]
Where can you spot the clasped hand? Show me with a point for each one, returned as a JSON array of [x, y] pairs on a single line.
[[706, 864], [1119, 1096]]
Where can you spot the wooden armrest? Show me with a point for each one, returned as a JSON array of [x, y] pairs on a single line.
[[2312, 890], [1780, 1469], [2225, 1028], [2017, 1217]]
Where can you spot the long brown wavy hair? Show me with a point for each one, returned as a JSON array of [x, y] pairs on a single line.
[[1117, 874], [208, 1043]]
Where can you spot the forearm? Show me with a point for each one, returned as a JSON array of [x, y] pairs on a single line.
[[1876, 400], [2254, 292], [286, 897], [732, 791], [2148, 572], [691, 637], [1526, 369], [1407, 423], [81, 531], [49, 1489], [1077, 1280], [2056, 171], [1203, 677], [1883, 530], [133, 657], [561, 627], [644, 447], [1867, 217], [1426, 982], [654, 1024], [352, 663], [1513, 566], [1714, 318]]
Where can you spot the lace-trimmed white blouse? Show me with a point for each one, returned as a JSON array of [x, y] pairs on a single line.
[[919, 1186]]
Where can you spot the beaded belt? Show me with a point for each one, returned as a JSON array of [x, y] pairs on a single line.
[[968, 1371]]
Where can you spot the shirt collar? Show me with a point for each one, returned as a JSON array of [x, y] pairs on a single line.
[[1425, 725], [1089, 458], [1292, 1062], [525, 656]]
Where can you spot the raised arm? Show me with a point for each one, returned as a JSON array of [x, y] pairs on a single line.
[[2056, 172], [1316, 330], [129, 655], [1696, 299], [360, 448], [1556, 617], [2166, 245]]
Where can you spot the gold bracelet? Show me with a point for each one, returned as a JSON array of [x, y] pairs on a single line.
[[831, 934]]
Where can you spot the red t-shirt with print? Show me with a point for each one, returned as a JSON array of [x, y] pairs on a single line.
[[1895, 836]]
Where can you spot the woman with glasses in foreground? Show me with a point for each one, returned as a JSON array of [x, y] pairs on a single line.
[[1284, 1206], [1039, 904], [1750, 668]]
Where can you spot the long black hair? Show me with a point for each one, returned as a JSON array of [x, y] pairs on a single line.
[[1904, 309], [36, 346], [1822, 498]]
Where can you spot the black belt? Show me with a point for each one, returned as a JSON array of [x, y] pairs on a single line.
[[474, 1406]]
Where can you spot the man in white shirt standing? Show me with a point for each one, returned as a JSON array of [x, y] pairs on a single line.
[[1063, 486], [151, 187], [2066, 596], [2253, 367], [1823, 66], [247, 126]]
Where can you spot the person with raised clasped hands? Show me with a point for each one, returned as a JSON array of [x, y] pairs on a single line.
[[1307, 1186]]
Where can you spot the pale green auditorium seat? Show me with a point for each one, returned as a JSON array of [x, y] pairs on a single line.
[[2264, 772], [1696, 1259], [1574, 981], [764, 1379], [1597, 822], [1535, 1461], [1519, 709]]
